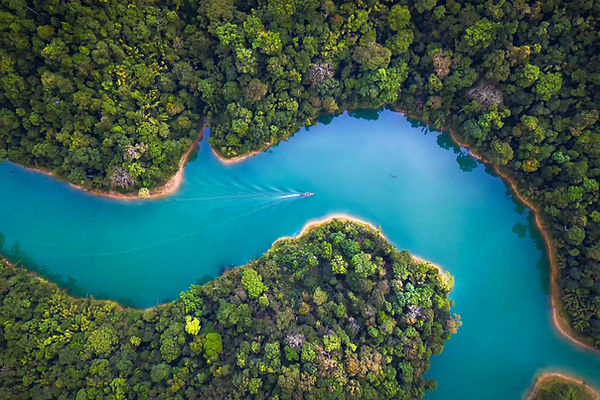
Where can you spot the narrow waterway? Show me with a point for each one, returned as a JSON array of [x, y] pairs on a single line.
[[428, 196]]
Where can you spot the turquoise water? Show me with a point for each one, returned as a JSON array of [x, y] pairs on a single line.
[[427, 195]]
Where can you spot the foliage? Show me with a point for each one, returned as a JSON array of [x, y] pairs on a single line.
[[252, 282], [56, 346], [192, 325], [558, 388], [99, 94], [110, 94]]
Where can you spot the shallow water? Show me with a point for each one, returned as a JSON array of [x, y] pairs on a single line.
[[428, 196]]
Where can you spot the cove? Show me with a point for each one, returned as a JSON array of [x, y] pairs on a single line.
[[427, 194]]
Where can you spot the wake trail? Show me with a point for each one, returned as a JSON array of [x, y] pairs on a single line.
[[162, 242], [245, 196]]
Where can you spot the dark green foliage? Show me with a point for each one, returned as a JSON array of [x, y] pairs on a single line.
[[110, 94], [104, 95], [371, 343]]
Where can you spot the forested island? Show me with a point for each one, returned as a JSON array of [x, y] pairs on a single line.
[[560, 387], [110, 95], [336, 313]]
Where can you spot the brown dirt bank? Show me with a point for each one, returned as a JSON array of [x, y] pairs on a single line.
[[558, 314]]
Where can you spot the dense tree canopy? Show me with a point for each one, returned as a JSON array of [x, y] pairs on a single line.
[[289, 325], [110, 94], [103, 95]]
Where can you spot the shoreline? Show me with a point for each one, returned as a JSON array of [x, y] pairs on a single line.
[[559, 320], [313, 223], [45, 281], [174, 183], [238, 159], [168, 188], [564, 376]]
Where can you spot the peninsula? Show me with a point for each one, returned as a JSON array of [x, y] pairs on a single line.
[[335, 311]]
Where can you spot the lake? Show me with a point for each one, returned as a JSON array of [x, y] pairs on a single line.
[[428, 195]]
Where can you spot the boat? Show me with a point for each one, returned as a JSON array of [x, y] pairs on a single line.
[[306, 194]]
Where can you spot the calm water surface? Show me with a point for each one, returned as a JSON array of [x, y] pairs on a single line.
[[428, 196]]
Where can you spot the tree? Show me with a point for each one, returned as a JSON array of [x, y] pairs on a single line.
[[319, 297], [121, 178], [255, 90], [372, 56], [528, 75], [575, 235], [400, 42], [486, 94], [339, 265], [425, 5], [501, 152], [192, 325], [169, 349], [252, 282], [548, 85], [399, 17], [480, 35], [442, 63], [102, 340], [362, 264], [45, 32], [213, 346], [435, 84], [320, 72], [160, 372], [218, 10]]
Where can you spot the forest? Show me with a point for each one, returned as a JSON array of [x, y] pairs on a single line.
[[110, 94], [337, 313]]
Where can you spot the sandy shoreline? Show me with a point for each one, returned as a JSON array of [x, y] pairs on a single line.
[[305, 229], [313, 223], [169, 188], [548, 375], [237, 159], [560, 321]]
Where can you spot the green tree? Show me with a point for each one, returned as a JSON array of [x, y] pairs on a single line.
[[320, 296], [399, 17], [252, 282], [192, 325], [548, 85], [480, 35], [339, 265], [213, 346], [528, 75], [372, 56], [363, 266], [102, 340], [425, 5], [501, 153]]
